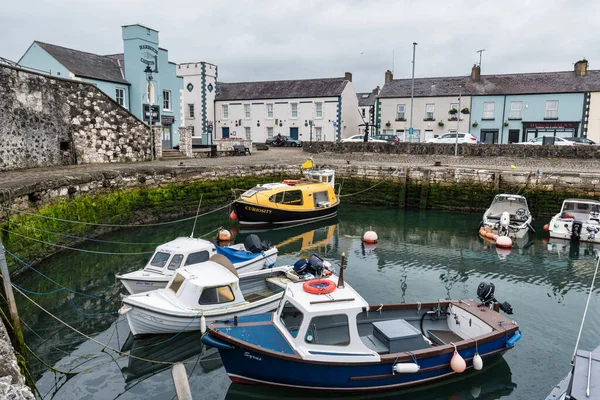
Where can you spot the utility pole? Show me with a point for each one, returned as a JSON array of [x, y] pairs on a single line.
[[457, 123], [12, 306], [480, 51], [412, 90]]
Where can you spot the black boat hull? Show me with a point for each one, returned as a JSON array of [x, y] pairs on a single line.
[[252, 215]]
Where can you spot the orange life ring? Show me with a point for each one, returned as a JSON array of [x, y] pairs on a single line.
[[290, 181], [319, 286], [327, 272]]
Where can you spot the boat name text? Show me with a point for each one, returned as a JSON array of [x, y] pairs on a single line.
[[260, 210], [253, 357]]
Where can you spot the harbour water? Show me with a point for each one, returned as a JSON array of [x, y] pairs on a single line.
[[420, 256]]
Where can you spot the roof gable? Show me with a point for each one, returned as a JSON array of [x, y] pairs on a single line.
[[366, 99], [290, 89], [86, 65]]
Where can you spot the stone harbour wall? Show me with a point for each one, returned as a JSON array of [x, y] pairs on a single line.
[[47, 121], [465, 150], [12, 383]]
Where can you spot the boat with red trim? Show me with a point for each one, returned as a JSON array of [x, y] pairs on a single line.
[[337, 342]]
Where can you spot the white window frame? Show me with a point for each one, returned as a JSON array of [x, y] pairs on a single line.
[[247, 111], [225, 110], [191, 115], [269, 131], [319, 107], [551, 109], [516, 110], [430, 111], [270, 108], [401, 114], [489, 110], [248, 132], [318, 133], [292, 107], [121, 97], [167, 100]]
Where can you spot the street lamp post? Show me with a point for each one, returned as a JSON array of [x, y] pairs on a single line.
[[412, 90], [310, 123], [457, 123], [149, 77]]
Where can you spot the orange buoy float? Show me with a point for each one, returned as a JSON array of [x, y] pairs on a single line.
[[224, 235], [319, 286], [547, 227], [457, 363], [290, 182], [504, 241], [489, 235], [233, 216], [370, 236]]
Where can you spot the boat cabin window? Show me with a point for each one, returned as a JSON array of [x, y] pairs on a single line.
[[581, 207], [195, 258], [176, 282], [160, 259], [290, 197], [216, 295], [291, 318], [175, 262], [330, 330]]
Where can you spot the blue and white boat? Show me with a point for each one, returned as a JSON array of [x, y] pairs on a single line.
[[335, 341], [183, 251]]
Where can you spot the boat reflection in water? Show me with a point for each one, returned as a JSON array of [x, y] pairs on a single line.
[[493, 382], [166, 348], [574, 250]]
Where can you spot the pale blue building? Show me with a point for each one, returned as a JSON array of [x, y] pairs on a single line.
[[122, 76]]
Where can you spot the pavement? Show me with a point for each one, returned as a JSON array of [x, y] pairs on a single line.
[[296, 156]]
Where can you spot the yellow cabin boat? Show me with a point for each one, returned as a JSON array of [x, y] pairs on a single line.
[[290, 202]]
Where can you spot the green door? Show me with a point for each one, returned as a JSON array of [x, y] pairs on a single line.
[[225, 132], [294, 133]]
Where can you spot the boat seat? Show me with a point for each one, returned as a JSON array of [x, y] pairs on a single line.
[[441, 338], [374, 344]]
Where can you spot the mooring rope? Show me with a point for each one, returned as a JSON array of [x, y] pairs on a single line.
[[372, 187], [587, 303]]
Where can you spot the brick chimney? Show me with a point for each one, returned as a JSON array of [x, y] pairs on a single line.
[[581, 67], [348, 76], [476, 73], [376, 91], [388, 76]]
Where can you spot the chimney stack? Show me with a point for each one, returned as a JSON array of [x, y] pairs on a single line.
[[376, 91], [388, 76], [476, 73], [581, 67], [348, 76]]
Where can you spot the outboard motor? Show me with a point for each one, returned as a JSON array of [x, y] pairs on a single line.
[[485, 293], [255, 245], [504, 222], [315, 265], [301, 266], [576, 230]]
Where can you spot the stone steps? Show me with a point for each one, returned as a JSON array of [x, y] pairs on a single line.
[[171, 154]]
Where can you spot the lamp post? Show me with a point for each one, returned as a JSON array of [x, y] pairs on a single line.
[[310, 123], [457, 123], [149, 77], [412, 90]]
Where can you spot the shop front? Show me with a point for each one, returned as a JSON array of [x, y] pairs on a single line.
[[532, 130]]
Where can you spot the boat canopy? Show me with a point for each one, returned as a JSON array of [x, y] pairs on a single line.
[[180, 252], [580, 206]]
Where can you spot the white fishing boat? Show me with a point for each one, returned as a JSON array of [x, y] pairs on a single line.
[[204, 292], [508, 216], [184, 251], [578, 220]]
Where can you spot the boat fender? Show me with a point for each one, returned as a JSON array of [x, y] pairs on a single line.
[[370, 237], [319, 286], [406, 368], [457, 363], [202, 325], [514, 339], [477, 362], [233, 216], [504, 241], [547, 227]]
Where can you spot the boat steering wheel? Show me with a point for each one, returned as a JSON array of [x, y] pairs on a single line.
[[521, 212]]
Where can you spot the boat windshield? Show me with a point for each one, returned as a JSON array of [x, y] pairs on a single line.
[[331, 330], [507, 203], [253, 191], [160, 259], [581, 207], [291, 318]]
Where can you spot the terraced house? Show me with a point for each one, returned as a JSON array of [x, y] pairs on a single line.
[[305, 109]]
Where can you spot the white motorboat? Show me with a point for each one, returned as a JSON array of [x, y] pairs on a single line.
[[184, 251], [508, 216], [204, 292], [578, 220]]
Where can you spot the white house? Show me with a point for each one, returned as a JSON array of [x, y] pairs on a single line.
[[198, 100], [433, 100], [255, 111]]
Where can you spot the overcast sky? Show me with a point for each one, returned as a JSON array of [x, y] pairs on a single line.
[[283, 39]]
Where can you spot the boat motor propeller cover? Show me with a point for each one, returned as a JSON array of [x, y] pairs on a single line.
[[485, 293], [576, 230], [300, 266], [255, 245]]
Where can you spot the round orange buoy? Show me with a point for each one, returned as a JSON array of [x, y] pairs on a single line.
[[458, 363], [224, 235], [547, 227], [233, 216], [504, 241], [489, 235], [370, 237], [495, 237]]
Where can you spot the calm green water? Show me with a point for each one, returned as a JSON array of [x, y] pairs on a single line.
[[420, 256]]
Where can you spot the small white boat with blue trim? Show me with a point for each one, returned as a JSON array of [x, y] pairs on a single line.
[[184, 251], [324, 336]]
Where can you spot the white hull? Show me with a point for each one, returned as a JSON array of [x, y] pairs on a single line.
[[142, 281], [559, 228], [144, 321]]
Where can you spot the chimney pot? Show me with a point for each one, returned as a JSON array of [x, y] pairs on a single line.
[[376, 90], [348, 76], [581, 67], [476, 73], [389, 76]]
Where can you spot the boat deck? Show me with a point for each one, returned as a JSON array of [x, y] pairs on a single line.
[[440, 337]]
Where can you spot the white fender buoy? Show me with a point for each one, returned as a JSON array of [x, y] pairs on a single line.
[[504, 241], [370, 237], [458, 363], [477, 362], [406, 368], [224, 235], [202, 325]]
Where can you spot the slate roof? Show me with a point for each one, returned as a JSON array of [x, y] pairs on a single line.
[[291, 89], [531, 83], [367, 101], [86, 65]]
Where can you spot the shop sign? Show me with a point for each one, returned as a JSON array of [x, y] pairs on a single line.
[[167, 119], [550, 125], [153, 111]]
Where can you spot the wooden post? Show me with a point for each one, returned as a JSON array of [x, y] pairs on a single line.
[[424, 190], [341, 277], [10, 297], [181, 382], [402, 191]]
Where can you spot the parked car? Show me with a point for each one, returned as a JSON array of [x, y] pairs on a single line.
[[286, 141], [451, 138], [582, 141], [361, 138], [558, 141], [387, 137]]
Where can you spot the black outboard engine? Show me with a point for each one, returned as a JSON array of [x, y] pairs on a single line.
[[576, 230], [315, 265], [301, 266], [255, 245], [485, 293]]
